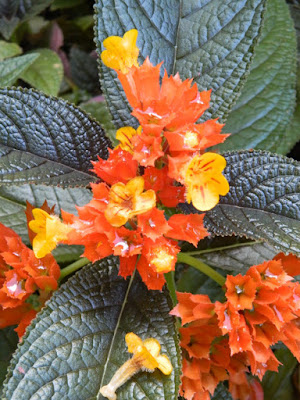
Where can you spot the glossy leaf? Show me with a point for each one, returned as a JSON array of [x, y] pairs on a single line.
[[13, 203], [13, 12], [45, 73], [261, 116], [263, 201], [211, 41], [99, 111], [8, 343], [46, 140], [77, 342], [8, 50], [12, 68]]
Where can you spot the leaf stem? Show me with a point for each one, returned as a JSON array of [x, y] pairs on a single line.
[[73, 267], [202, 267], [231, 246], [171, 286]]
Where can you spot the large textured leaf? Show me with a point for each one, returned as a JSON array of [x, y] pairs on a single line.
[[12, 68], [263, 202], [261, 115], [84, 70], [211, 41], [12, 12], [46, 140], [45, 73], [13, 202], [8, 344], [77, 342], [239, 259]]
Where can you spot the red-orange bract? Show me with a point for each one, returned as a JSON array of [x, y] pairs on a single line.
[[224, 340], [22, 275]]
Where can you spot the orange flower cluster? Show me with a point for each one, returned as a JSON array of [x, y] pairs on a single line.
[[26, 282], [224, 341], [168, 137], [158, 165]]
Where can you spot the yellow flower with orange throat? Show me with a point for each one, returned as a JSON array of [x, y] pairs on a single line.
[[204, 181]]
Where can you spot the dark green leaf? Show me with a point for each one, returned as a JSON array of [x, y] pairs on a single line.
[[8, 343], [263, 202], [84, 70], [8, 50], [46, 140], [62, 4], [222, 393], [12, 68], [66, 254], [211, 41], [13, 202], [239, 259], [261, 115], [77, 342], [279, 385], [13, 12], [45, 73], [100, 112]]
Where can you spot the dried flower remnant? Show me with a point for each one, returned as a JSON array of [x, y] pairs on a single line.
[[146, 357]]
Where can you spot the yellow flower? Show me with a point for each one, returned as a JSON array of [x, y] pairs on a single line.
[[146, 356], [126, 201], [49, 231], [122, 53], [204, 181], [125, 134]]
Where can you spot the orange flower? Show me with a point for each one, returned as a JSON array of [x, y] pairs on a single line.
[[152, 279], [187, 227], [147, 149], [291, 263], [119, 167], [153, 224], [122, 53], [127, 201], [161, 254], [204, 180], [241, 291], [193, 137], [169, 106], [126, 243]]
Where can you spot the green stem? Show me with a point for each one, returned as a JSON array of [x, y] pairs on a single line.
[[231, 246], [73, 267], [201, 266], [171, 286]]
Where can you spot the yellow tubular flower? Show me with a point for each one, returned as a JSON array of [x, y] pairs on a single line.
[[122, 53], [126, 201], [49, 232], [204, 181], [125, 134], [146, 356]]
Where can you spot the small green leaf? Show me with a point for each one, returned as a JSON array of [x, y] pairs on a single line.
[[13, 12], [8, 343], [211, 41], [263, 202], [45, 73], [67, 254], [8, 50], [12, 68], [279, 385], [76, 343], [221, 393], [13, 203], [46, 140], [262, 113], [100, 112]]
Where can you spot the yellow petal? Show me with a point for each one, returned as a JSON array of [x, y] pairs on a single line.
[[144, 202], [135, 186], [133, 341], [125, 135], [121, 53], [164, 364], [153, 346]]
